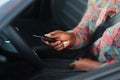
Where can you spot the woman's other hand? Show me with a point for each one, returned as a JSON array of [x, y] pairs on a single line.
[[85, 64]]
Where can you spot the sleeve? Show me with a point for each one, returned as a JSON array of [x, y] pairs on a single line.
[[110, 63], [81, 31]]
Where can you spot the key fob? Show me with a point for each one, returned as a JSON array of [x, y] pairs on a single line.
[[50, 40], [44, 38]]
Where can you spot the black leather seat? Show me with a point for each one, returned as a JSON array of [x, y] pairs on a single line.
[[68, 12]]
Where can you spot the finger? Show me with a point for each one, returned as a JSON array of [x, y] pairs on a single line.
[[66, 44], [46, 42], [59, 47], [52, 35], [55, 44], [62, 46], [51, 44], [55, 32]]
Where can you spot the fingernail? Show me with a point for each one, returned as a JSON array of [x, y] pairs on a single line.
[[48, 35]]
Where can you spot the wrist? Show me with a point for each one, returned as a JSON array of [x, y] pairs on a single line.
[[72, 40]]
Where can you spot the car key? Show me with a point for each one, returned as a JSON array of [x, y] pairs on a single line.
[[44, 38]]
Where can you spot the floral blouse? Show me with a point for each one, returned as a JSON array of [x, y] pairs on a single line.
[[107, 47]]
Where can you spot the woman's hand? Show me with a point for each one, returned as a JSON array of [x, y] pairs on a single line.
[[63, 39], [85, 64]]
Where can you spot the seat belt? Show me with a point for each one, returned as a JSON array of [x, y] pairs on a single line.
[[98, 33], [101, 28]]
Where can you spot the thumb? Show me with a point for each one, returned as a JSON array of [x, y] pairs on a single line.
[[50, 35]]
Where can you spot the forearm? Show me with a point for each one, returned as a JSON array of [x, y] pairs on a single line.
[[81, 31]]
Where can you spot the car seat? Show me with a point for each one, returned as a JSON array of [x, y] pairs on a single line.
[[68, 12]]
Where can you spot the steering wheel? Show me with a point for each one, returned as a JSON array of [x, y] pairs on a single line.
[[22, 47], [16, 6]]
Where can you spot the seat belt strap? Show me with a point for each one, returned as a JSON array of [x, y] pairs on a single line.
[[99, 32], [109, 23]]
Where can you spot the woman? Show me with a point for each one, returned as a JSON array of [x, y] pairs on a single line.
[[106, 48]]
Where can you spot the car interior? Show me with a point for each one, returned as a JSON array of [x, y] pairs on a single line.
[[24, 57]]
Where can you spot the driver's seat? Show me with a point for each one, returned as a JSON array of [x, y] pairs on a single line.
[[69, 15]]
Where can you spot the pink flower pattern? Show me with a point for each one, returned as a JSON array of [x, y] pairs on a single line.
[[107, 47]]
